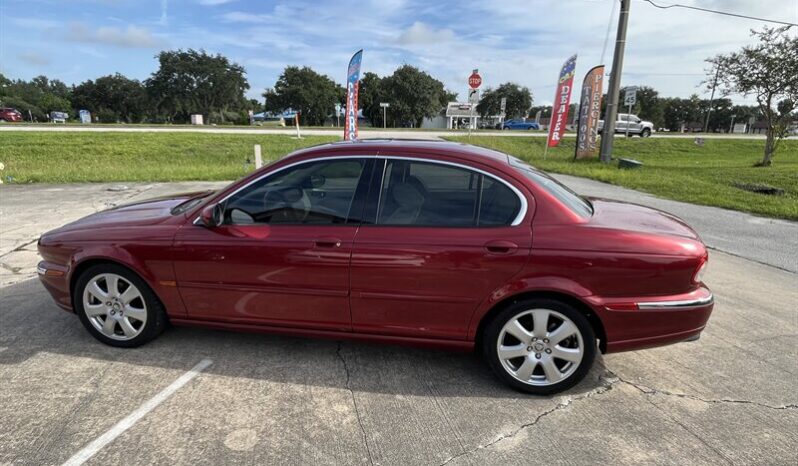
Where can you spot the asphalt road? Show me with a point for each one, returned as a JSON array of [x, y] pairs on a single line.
[[364, 132], [727, 398]]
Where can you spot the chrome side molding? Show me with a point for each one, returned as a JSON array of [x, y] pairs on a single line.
[[676, 304]]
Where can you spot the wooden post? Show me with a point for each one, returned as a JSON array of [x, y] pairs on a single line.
[[258, 158]]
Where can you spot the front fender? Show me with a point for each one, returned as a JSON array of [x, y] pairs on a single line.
[[157, 271]]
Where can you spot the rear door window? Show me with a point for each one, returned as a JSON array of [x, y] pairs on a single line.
[[436, 195]]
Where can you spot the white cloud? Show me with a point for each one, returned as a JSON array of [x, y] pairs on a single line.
[[164, 13], [130, 37], [215, 2], [243, 17], [420, 33], [35, 23], [33, 58]]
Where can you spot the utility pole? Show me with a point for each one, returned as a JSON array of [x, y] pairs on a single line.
[[711, 98], [615, 85]]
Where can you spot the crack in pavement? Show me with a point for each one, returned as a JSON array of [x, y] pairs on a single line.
[[566, 401], [20, 247], [13, 270], [354, 402], [611, 379], [651, 391]]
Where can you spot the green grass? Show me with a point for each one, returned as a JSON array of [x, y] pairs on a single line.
[[39, 157], [677, 169], [673, 168]]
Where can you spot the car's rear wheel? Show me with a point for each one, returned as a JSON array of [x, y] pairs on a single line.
[[645, 133], [540, 346], [117, 307]]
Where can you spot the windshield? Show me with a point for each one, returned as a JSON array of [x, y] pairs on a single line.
[[570, 199]]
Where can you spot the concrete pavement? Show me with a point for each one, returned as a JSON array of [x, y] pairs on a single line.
[[727, 398]]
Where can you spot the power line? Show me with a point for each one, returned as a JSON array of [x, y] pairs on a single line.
[[607, 35], [707, 10]]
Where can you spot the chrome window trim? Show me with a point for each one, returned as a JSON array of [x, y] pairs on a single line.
[[340, 157], [524, 204], [675, 304], [522, 211]]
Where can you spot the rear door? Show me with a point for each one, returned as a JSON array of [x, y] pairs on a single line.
[[439, 238]]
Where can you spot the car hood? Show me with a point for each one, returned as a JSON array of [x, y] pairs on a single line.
[[148, 212], [632, 217]]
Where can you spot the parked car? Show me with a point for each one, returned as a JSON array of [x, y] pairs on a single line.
[[519, 124], [10, 115], [636, 126], [427, 243]]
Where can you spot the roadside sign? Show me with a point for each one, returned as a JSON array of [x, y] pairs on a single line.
[[473, 96], [630, 96], [384, 104], [503, 105], [475, 80], [337, 108]]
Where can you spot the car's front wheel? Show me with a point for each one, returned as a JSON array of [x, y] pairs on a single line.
[[645, 133], [540, 346], [117, 307]]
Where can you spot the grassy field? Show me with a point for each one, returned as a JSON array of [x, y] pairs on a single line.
[[673, 168], [101, 157], [677, 169]]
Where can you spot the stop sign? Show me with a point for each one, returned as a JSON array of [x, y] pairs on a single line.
[[475, 80]]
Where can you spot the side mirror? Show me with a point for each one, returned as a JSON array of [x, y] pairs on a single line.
[[212, 215]]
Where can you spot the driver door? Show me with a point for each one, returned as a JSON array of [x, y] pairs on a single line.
[[282, 255]]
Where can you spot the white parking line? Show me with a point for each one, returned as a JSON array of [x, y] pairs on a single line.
[[97, 444]]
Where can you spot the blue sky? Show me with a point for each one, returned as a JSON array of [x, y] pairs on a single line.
[[520, 41]]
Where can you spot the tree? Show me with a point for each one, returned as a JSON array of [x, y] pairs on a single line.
[[192, 81], [307, 91], [413, 95], [112, 98], [36, 97], [679, 112], [519, 100], [648, 106], [370, 93], [767, 70]]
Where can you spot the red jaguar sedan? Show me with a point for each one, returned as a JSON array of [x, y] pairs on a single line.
[[423, 243]]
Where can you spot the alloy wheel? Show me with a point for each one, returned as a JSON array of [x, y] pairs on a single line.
[[114, 306], [540, 347]]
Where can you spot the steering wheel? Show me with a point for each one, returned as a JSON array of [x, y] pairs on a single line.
[[299, 207]]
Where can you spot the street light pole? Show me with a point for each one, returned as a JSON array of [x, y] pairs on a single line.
[[615, 85]]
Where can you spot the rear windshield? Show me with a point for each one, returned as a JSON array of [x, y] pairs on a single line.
[[570, 199]]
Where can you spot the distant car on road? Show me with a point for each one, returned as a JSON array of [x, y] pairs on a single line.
[[10, 114], [520, 124], [636, 125]]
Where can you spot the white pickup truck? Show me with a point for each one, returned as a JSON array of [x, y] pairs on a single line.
[[635, 124]]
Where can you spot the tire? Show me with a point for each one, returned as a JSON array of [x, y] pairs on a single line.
[[135, 312], [537, 355], [645, 133]]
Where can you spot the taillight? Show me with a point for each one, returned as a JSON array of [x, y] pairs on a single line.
[[698, 277]]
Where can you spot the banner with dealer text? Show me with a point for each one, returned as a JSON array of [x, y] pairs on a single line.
[[352, 84], [589, 113], [562, 99]]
